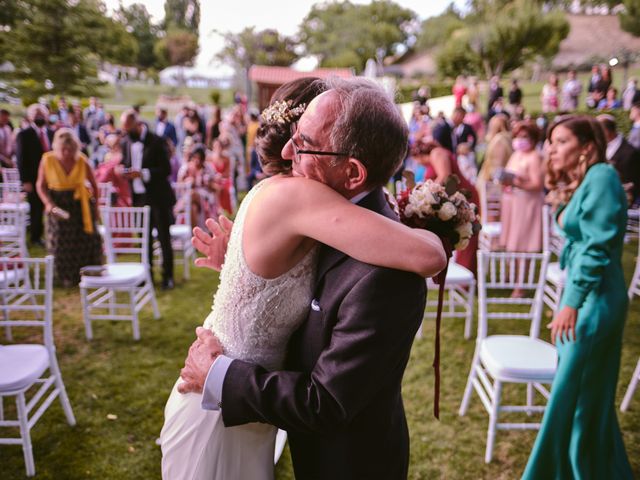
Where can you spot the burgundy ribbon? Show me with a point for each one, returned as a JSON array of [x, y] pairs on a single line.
[[440, 280]]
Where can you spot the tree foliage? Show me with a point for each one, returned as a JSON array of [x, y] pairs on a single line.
[[630, 18], [62, 42], [177, 47], [266, 47], [137, 21], [501, 36], [347, 35], [438, 29], [182, 15]]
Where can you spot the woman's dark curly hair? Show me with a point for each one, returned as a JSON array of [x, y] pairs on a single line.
[[273, 136]]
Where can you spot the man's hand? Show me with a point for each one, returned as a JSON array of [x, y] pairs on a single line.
[[213, 246], [202, 354]]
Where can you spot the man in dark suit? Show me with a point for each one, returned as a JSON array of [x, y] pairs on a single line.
[[443, 133], [31, 143], [623, 156], [145, 156], [462, 132], [164, 127], [80, 131], [495, 91], [340, 397]]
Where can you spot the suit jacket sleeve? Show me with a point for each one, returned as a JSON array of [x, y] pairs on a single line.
[[24, 154], [158, 161], [368, 349]]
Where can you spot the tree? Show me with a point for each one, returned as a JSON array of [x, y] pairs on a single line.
[[266, 47], [347, 35], [630, 18], [62, 41], [436, 30], [506, 35], [182, 15], [177, 47], [137, 21]]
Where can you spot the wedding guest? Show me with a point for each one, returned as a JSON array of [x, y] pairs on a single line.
[[634, 134], [108, 128], [163, 127], [202, 177], [461, 131], [631, 94], [496, 108], [213, 125], [495, 92], [498, 150], [70, 205], [623, 156], [473, 92], [549, 95], [459, 90], [80, 131], [63, 112], [571, 90], [467, 162], [31, 143], [440, 165], [610, 102], [108, 171], [579, 436], [515, 97], [594, 80], [222, 165], [523, 195], [7, 146]]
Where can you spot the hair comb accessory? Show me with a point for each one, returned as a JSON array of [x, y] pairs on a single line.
[[282, 112]]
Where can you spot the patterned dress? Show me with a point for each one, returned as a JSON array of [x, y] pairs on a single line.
[[579, 437], [74, 242]]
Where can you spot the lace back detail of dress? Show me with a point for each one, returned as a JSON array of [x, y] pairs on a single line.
[[252, 316]]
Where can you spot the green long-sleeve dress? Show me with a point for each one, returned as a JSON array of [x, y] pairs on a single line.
[[579, 437]]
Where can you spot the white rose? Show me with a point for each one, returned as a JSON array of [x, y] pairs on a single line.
[[447, 211], [465, 230], [462, 244], [409, 210]]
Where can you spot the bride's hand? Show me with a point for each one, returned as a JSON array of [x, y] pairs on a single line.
[[564, 325], [213, 246], [202, 354]]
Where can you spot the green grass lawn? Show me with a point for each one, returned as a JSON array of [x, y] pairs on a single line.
[[115, 375]]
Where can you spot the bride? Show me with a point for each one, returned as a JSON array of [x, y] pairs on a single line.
[[266, 286]]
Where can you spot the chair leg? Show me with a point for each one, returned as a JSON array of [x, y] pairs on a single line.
[[530, 393], [134, 315], [469, 318], [85, 314], [1, 409], [493, 420], [62, 391], [631, 388], [468, 390], [25, 435]]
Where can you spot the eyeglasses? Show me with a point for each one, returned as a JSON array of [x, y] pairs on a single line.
[[298, 151]]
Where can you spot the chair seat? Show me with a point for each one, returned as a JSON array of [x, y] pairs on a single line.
[[9, 277], [491, 229], [180, 231], [9, 231], [633, 213], [22, 206], [21, 365], [117, 274], [555, 274], [456, 275], [519, 357]]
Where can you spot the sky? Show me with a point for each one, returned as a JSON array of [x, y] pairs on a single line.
[[234, 15]]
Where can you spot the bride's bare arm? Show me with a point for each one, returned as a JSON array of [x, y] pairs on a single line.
[[313, 210]]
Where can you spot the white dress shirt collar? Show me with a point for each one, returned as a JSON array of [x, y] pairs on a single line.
[[613, 146]]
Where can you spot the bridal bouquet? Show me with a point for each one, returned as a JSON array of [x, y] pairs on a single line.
[[441, 209]]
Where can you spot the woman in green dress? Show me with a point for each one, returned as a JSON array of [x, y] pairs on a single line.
[[579, 437]]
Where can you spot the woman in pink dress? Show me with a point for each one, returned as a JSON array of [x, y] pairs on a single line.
[[109, 171], [441, 164], [523, 195], [459, 90]]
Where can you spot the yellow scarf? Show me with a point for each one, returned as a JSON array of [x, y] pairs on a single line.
[[57, 179]]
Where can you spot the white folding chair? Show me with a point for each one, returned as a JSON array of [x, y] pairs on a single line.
[[634, 286], [633, 224], [13, 232], [490, 209], [181, 230], [11, 197], [460, 286], [103, 297], [105, 194], [500, 359], [633, 384], [10, 175], [552, 242], [26, 294]]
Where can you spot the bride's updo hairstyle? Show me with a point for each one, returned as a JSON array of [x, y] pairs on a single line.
[[287, 106], [563, 182]]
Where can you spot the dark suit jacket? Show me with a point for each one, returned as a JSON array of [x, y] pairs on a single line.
[[29, 153], [169, 131], [468, 135], [155, 157], [442, 134], [626, 160], [340, 397]]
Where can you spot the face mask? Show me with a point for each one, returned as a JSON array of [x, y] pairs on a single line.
[[39, 122], [521, 144]]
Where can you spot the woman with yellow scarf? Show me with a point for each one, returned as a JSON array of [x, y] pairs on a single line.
[[68, 190]]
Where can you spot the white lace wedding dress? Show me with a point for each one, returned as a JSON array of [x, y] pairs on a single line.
[[253, 317]]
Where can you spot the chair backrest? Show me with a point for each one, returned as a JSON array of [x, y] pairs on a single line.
[[13, 232], [183, 205], [11, 192], [105, 194], [491, 201], [10, 175], [499, 273], [552, 239], [126, 232], [26, 294]]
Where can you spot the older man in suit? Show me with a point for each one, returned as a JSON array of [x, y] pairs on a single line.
[[146, 160], [31, 143], [340, 397]]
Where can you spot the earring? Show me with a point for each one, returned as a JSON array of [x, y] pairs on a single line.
[[582, 158]]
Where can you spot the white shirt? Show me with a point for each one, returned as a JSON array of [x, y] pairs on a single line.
[[160, 127], [613, 146], [137, 151]]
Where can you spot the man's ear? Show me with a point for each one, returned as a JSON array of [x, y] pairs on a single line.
[[356, 174]]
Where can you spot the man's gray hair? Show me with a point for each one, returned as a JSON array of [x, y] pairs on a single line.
[[34, 108], [369, 127]]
